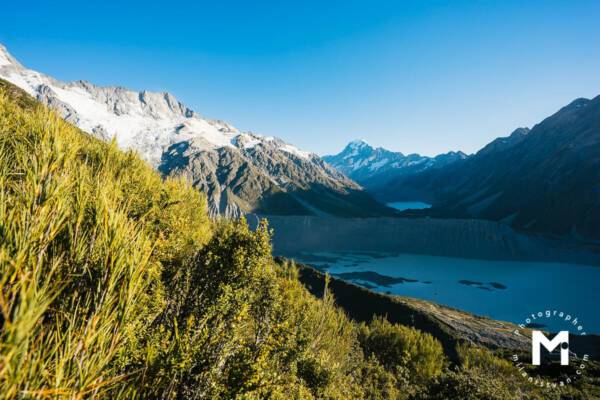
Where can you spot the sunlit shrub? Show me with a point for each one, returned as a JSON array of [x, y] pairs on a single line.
[[399, 347]]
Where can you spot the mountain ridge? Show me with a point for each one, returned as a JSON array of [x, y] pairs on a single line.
[[374, 166], [241, 172], [543, 180]]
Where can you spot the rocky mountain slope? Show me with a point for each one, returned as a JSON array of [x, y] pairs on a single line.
[[373, 167], [241, 172], [544, 180]]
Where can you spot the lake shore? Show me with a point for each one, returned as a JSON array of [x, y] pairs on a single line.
[[449, 325]]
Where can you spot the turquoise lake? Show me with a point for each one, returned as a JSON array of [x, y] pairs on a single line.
[[408, 205], [504, 290]]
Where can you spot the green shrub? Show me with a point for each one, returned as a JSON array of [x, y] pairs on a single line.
[[85, 232], [379, 384], [484, 376], [399, 347], [115, 284], [471, 385], [74, 266]]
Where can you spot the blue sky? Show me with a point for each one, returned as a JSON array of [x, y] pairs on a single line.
[[414, 76]]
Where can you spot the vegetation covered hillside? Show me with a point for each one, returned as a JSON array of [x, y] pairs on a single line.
[[115, 284]]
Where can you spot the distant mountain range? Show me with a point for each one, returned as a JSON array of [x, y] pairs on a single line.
[[241, 172], [543, 180], [374, 167]]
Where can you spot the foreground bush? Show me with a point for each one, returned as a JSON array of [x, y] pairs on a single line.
[[74, 264], [115, 284], [403, 349]]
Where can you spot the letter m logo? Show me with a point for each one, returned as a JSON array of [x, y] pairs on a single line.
[[538, 339]]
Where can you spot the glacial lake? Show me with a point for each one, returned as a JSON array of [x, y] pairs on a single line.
[[504, 290], [408, 205]]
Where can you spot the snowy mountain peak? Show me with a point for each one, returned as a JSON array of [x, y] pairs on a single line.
[[240, 172], [358, 143], [6, 58], [361, 162], [149, 122]]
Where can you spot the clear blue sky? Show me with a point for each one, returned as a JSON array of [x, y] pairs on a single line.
[[415, 76]]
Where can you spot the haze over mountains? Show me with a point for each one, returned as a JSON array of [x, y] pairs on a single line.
[[241, 172]]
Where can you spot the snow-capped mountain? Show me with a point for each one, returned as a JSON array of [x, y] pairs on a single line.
[[241, 172], [372, 165]]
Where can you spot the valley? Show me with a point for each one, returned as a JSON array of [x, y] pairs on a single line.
[[436, 228], [186, 211]]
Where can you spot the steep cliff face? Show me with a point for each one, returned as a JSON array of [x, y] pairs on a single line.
[[240, 172]]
